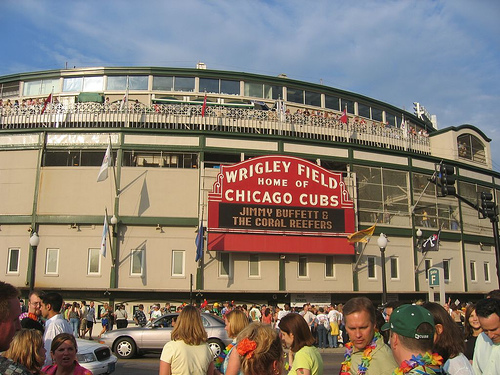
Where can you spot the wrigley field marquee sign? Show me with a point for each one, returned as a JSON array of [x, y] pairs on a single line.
[[279, 204]]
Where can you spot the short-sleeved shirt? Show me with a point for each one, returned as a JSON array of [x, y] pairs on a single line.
[[187, 359], [141, 318], [308, 357]]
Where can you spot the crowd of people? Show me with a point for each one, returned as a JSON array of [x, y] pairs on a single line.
[[417, 338], [316, 118]]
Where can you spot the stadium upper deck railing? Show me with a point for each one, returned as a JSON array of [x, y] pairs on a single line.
[[215, 119]]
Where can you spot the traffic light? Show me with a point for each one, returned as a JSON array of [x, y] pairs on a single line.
[[446, 180], [488, 207]]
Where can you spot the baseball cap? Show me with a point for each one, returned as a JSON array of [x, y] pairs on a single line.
[[406, 319]]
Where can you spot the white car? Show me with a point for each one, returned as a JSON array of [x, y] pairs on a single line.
[[95, 357]]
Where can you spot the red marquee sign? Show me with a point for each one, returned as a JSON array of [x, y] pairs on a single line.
[[279, 204]]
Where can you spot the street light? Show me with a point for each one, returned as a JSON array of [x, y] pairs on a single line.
[[382, 244], [419, 234], [34, 242]]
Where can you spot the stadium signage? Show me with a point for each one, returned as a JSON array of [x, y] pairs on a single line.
[[279, 204]]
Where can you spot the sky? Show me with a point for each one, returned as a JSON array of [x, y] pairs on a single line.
[[444, 54]]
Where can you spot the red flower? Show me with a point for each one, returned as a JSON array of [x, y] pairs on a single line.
[[246, 347]]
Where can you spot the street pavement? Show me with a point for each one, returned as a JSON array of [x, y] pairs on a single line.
[[150, 363]]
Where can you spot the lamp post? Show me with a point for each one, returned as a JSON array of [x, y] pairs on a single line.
[[419, 238], [34, 242], [382, 244]]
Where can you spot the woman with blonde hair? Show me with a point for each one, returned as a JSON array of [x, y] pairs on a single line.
[[260, 350], [188, 351], [27, 349], [228, 362]]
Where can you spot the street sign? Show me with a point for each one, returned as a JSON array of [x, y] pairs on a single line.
[[433, 277]]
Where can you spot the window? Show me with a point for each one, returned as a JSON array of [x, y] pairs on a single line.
[[486, 267], [329, 266], [224, 264], [52, 262], [253, 266], [383, 195], [347, 103], [302, 266], [363, 110], [428, 265], [253, 89], [13, 261], [41, 87], [376, 114], [313, 98], [178, 262], [332, 102], [159, 159], [91, 84], [394, 268], [209, 85], [295, 95], [371, 268], [470, 147], [72, 84], [163, 83], [74, 158], [184, 84], [473, 270], [229, 87], [273, 92], [94, 262], [446, 269], [137, 262]]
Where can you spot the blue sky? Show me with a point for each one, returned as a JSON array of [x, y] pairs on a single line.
[[443, 54]]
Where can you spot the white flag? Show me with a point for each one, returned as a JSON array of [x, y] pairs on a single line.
[[103, 172], [105, 229], [404, 128]]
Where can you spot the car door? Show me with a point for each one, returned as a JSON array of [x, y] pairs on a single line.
[[156, 336]]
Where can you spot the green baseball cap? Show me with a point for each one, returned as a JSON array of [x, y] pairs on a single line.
[[407, 318]]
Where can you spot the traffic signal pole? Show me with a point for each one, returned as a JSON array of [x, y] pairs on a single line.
[[444, 177]]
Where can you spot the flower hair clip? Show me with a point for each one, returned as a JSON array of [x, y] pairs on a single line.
[[246, 347]]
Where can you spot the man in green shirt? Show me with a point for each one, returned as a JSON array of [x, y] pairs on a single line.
[[366, 348]]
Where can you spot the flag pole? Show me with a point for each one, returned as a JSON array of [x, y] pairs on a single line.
[[117, 192], [109, 234]]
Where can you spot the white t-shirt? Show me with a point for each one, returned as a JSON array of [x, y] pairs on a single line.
[[458, 365], [486, 356], [187, 359]]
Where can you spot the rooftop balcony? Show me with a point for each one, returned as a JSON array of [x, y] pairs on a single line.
[[216, 119]]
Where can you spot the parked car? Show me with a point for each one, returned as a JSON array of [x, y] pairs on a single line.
[[95, 357], [127, 342]]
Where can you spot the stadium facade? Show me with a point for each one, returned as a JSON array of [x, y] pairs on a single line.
[[271, 168]]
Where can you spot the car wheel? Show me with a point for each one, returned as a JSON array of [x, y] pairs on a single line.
[[125, 348], [216, 346]]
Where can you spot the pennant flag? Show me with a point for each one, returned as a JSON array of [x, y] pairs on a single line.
[[46, 101], [281, 109], [362, 235], [124, 101], [432, 243], [103, 172], [199, 242], [404, 128], [343, 118], [104, 235], [204, 106]]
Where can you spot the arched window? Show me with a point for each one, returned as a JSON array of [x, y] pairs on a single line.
[[470, 147]]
